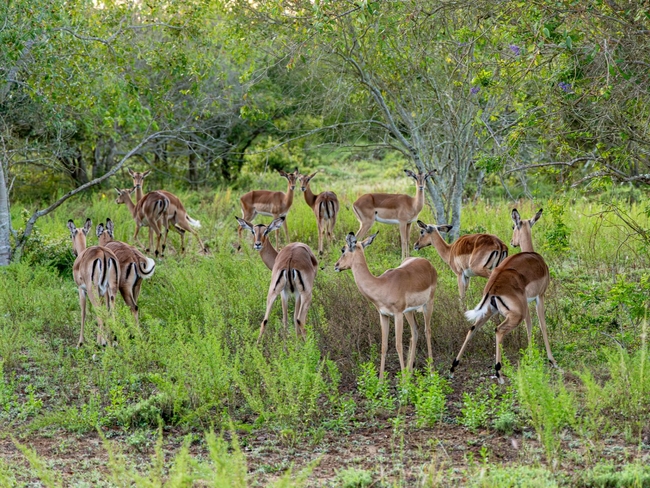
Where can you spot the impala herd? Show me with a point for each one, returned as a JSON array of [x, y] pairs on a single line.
[[513, 282]]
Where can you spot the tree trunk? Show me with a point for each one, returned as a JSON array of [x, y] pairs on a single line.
[[192, 170], [5, 220]]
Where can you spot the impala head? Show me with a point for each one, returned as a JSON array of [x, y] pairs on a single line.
[[426, 234], [292, 178], [79, 236], [123, 195], [105, 233], [305, 179], [521, 229], [420, 178], [138, 178], [261, 231], [351, 249]]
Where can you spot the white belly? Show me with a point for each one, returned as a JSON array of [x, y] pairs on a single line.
[[386, 221]]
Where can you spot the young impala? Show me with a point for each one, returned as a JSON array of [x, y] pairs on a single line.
[[293, 271], [469, 255], [397, 292], [274, 204], [134, 266], [519, 279], [150, 211], [97, 273], [176, 215], [396, 209], [325, 206]]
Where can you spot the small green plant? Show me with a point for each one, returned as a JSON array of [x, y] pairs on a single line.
[[354, 478], [375, 391], [606, 475], [430, 398], [556, 238], [547, 402], [493, 406]]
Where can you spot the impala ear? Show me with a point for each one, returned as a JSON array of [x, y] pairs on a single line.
[[100, 229], [119, 192], [131, 190], [131, 172], [422, 225], [72, 228], [516, 218], [536, 217], [87, 226], [144, 175], [312, 175], [430, 173], [444, 228], [369, 240], [410, 173], [109, 227], [351, 241], [275, 225], [283, 173], [245, 225]]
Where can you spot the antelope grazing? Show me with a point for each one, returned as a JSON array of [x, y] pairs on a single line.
[[397, 292], [519, 279], [150, 211], [470, 255], [293, 271], [325, 206], [134, 266], [95, 269], [396, 209], [275, 204], [176, 214]]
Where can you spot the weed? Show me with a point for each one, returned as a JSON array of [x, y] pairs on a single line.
[[430, 398], [354, 478], [375, 391], [606, 475]]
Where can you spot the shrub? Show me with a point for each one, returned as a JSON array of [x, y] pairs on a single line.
[[354, 478]]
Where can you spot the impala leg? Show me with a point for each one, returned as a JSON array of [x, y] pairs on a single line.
[[407, 239], [410, 317], [332, 224], [285, 310], [286, 230], [135, 236], [136, 293], [469, 336], [82, 305], [101, 338], [428, 313], [366, 224], [512, 320], [399, 329], [321, 233], [404, 239], [542, 325], [270, 299], [384, 322], [305, 302], [463, 283], [529, 325]]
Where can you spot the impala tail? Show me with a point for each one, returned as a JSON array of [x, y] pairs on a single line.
[[480, 311], [192, 222], [146, 268]]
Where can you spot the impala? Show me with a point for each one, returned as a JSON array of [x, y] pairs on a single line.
[[397, 292], [176, 214], [396, 209], [518, 280], [272, 203], [150, 211], [95, 270], [470, 255], [293, 270], [325, 206], [134, 266]]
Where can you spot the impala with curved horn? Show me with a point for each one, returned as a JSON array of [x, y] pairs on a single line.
[[469, 255], [325, 206], [176, 215], [274, 204], [389, 208], [134, 266], [97, 273], [518, 280], [397, 292], [293, 271]]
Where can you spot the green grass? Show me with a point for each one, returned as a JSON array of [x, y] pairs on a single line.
[[193, 364]]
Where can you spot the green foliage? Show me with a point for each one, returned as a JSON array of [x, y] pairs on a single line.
[[492, 406], [548, 403], [556, 238], [430, 398], [631, 296], [375, 391], [513, 477], [606, 475], [354, 478]]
